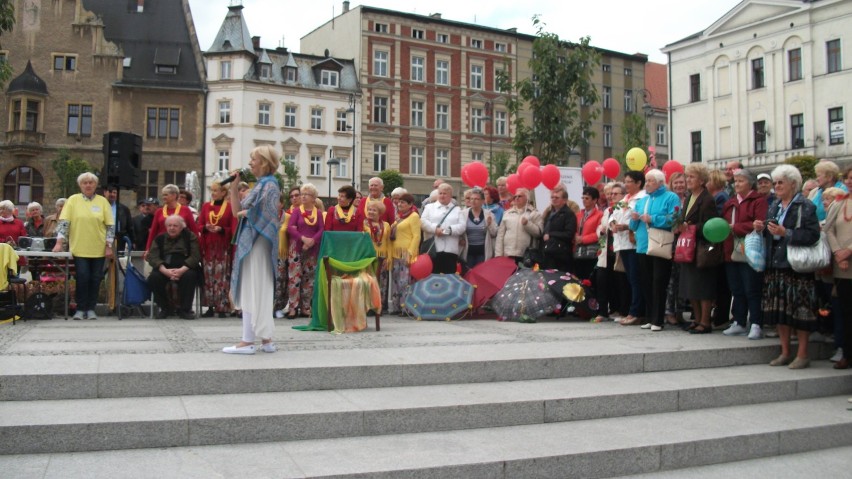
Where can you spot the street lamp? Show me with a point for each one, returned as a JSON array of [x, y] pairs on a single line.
[[331, 162], [351, 109]]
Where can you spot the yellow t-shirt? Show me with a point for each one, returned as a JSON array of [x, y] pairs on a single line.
[[87, 224]]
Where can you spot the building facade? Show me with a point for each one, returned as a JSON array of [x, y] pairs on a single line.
[[765, 82], [83, 68], [300, 104]]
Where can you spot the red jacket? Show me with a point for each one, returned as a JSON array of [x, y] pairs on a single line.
[[333, 223], [588, 230], [389, 212], [753, 207]]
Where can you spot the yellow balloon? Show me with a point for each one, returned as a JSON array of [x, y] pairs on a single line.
[[636, 159]]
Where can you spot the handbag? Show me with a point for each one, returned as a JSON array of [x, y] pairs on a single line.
[[586, 251], [755, 251], [428, 245], [738, 254], [532, 256], [809, 259], [660, 241], [619, 264], [685, 249]]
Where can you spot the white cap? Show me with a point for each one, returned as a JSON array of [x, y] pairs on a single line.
[[764, 175]]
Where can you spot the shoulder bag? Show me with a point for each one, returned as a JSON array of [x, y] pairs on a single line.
[[428, 245], [738, 255], [809, 259], [660, 241], [586, 251]]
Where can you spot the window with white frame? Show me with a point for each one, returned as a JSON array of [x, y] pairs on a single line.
[[836, 127], [316, 118], [832, 56], [501, 122], [797, 130], [661, 134], [607, 98], [417, 108], [290, 158], [605, 67], [340, 124], [415, 166], [224, 112], [316, 165], [329, 78], [418, 34], [263, 113], [291, 75], [628, 101], [476, 77], [290, 112], [342, 169], [380, 157], [476, 43], [265, 71], [500, 47], [380, 27], [476, 115], [477, 156], [757, 74], [224, 160], [794, 64], [442, 72], [380, 109], [417, 68], [607, 136], [380, 63], [442, 116], [442, 162], [225, 70], [628, 72], [442, 38]]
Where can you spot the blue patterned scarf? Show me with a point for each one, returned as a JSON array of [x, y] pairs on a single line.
[[261, 219]]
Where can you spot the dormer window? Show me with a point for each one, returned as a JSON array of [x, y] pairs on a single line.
[[329, 78], [291, 74], [265, 71], [166, 60]]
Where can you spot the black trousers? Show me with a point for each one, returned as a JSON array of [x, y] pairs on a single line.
[[654, 273], [445, 263], [186, 289], [844, 294]]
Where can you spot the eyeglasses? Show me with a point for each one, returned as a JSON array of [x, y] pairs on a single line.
[[778, 183], [519, 196]]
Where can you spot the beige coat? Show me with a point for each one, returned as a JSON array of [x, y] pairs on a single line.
[[513, 238], [839, 232]]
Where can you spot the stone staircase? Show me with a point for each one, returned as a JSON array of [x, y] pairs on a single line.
[[589, 407]]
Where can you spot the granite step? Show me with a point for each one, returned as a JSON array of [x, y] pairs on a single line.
[[48, 426], [606, 447], [25, 378]]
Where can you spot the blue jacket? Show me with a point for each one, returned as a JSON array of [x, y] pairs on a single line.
[[662, 211]]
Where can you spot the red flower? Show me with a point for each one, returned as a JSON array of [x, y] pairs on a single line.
[[586, 283]]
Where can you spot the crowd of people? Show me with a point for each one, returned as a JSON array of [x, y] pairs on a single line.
[[253, 249]]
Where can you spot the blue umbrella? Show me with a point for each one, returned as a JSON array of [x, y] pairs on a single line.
[[439, 297]]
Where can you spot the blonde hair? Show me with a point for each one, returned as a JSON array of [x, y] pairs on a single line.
[[268, 158], [380, 207], [832, 193], [717, 180], [308, 188], [827, 167], [700, 171], [86, 176], [171, 189]]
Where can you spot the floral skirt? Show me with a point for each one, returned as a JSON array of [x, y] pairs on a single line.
[[217, 264], [400, 279], [789, 298]]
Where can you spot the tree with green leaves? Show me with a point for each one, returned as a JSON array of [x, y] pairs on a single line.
[[392, 179], [7, 23], [499, 166], [67, 168], [634, 133], [805, 164], [560, 94], [291, 176]]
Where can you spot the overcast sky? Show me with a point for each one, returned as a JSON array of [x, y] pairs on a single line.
[[627, 26]]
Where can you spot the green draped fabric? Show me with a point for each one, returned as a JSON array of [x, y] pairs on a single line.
[[347, 252]]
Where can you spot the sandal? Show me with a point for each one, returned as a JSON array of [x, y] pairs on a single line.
[[599, 319], [701, 329], [671, 320], [630, 321]]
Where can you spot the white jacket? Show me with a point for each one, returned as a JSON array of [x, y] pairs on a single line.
[[621, 240], [454, 224]]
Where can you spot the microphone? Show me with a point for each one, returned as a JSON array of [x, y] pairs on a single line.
[[233, 177]]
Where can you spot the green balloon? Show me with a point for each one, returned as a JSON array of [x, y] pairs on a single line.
[[716, 230]]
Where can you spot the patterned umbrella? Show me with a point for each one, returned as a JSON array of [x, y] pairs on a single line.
[[439, 296], [525, 297], [577, 292]]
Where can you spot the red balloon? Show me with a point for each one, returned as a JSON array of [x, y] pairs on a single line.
[[531, 177], [478, 174], [532, 161], [465, 175], [513, 182], [671, 167], [592, 172], [421, 267], [522, 167], [550, 176], [611, 167]]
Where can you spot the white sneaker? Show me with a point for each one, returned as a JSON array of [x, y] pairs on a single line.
[[646, 326], [91, 314], [268, 347], [248, 349], [756, 332], [735, 330], [656, 328], [279, 314], [79, 315], [838, 355]]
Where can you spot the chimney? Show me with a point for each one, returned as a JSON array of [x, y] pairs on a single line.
[[345, 6], [436, 16], [255, 42]]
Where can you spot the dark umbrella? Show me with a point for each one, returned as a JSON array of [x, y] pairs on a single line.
[[489, 277], [524, 298], [576, 291], [439, 296]]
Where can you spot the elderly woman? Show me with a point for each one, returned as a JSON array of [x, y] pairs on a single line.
[[838, 227], [396, 194], [588, 221], [11, 228], [87, 226], [255, 261], [35, 220], [827, 173], [624, 243], [480, 231], [745, 283], [305, 229], [698, 282], [379, 231], [404, 247], [52, 221], [217, 224], [611, 288], [171, 206], [716, 184], [282, 293], [675, 305], [655, 210], [443, 221], [521, 226], [789, 299], [492, 203], [558, 233]]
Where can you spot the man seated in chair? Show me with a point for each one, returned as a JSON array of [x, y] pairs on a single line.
[[174, 257]]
